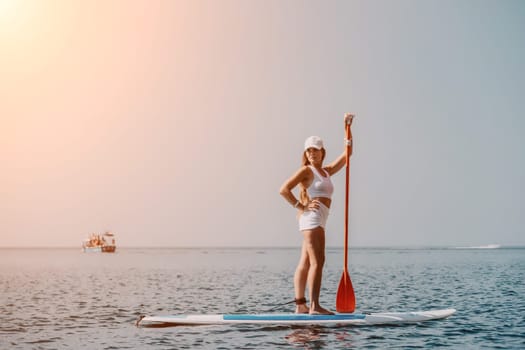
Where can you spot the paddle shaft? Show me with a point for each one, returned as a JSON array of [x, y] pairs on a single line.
[[347, 195], [345, 298]]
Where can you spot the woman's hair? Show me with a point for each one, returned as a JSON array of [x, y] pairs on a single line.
[[303, 194]]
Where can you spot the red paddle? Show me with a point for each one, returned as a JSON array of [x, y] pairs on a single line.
[[345, 300]]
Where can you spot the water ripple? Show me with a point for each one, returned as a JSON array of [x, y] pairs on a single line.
[[64, 299]]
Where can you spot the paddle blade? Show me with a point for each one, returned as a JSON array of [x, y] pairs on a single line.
[[345, 301]]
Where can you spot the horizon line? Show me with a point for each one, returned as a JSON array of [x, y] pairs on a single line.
[[430, 246]]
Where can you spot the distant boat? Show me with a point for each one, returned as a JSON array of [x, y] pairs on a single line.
[[104, 243]]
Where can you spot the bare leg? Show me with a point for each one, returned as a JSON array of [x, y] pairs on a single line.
[[314, 242], [300, 278]]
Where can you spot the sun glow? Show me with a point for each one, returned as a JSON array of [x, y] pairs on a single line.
[[6, 6], [18, 23], [9, 14]]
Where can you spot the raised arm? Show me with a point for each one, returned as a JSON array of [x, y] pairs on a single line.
[[339, 163]]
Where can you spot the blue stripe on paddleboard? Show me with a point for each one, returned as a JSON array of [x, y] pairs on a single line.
[[293, 317]]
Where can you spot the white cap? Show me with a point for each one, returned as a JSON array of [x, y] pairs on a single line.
[[313, 141]]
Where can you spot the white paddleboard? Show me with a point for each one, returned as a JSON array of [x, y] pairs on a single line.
[[383, 318]]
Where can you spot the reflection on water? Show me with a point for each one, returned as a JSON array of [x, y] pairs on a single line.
[[318, 337], [306, 338]]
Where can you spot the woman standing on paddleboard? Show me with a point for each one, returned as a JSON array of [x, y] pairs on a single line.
[[316, 190]]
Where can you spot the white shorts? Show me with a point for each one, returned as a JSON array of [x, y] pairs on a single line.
[[311, 219]]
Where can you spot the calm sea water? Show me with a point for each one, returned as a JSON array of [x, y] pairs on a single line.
[[65, 299]]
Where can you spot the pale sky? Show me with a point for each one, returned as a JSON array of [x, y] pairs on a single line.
[[174, 123]]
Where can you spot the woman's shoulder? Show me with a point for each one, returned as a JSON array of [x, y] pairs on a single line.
[[306, 170]]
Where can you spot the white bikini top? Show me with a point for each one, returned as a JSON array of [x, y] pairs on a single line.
[[321, 185]]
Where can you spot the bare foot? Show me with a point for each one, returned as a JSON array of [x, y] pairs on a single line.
[[301, 309], [320, 311]]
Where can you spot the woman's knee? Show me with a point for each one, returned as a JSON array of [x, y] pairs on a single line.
[[304, 264], [316, 256], [318, 262]]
